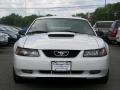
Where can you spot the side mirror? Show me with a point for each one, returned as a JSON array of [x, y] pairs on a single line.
[[99, 33], [22, 32]]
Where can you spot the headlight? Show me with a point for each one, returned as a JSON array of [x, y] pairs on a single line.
[[95, 53], [27, 52]]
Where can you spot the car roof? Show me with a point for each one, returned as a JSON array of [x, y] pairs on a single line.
[[65, 17], [117, 20]]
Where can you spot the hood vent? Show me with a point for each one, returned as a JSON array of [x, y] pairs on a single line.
[[61, 35]]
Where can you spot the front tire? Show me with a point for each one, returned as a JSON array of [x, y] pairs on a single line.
[[17, 78], [104, 79]]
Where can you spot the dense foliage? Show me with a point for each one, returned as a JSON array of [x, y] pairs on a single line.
[[110, 12], [19, 21]]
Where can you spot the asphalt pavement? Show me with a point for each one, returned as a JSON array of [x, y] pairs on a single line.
[[7, 82]]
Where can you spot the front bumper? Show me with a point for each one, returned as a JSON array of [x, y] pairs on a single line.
[[83, 65]]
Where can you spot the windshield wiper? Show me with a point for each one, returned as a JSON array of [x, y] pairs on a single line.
[[35, 32]]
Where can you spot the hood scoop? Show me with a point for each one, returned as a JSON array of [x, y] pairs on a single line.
[[61, 35]]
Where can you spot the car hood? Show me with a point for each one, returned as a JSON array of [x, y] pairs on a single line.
[[78, 42]]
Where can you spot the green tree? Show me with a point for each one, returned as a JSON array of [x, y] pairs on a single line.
[[49, 15], [19, 21], [13, 20], [110, 12], [79, 15], [27, 20]]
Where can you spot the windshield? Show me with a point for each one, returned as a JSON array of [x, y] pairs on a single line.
[[61, 25], [6, 29], [103, 24], [10, 29]]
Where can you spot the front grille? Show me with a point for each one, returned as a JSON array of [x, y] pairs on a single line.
[[60, 72], [61, 53]]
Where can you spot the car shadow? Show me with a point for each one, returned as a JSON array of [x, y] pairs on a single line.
[[115, 45], [61, 83], [4, 48]]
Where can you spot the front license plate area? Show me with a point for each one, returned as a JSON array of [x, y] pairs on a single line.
[[61, 66]]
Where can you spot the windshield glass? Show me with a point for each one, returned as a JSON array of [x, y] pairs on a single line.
[[103, 24], [6, 29], [61, 25]]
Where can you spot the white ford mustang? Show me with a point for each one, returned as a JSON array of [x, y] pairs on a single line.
[[61, 47]]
